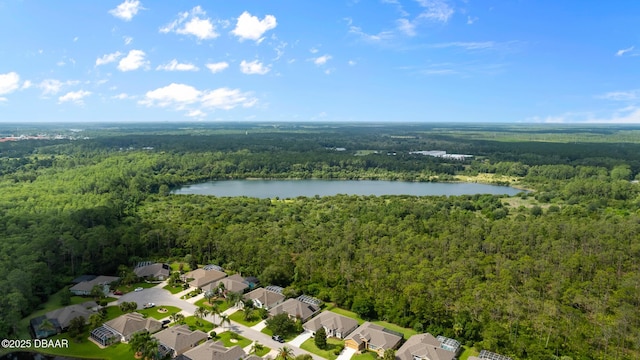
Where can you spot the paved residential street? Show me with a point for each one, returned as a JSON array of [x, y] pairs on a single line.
[[160, 296]]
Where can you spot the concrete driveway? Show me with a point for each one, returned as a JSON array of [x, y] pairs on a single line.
[[300, 338], [346, 354], [159, 297]]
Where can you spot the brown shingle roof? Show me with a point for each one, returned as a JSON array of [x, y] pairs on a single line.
[[153, 270], [332, 321], [132, 323], [295, 308], [424, 346], [65, 314], [374, 335], [267, 298], [180, 338], [211, 350], [203, 277]]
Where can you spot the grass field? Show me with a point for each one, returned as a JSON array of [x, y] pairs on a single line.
[[327, 353], [222, 305], [173, 289], [405, 331], [88, 350], [204, 326], [154, 313], [369, 355], [228, 341], [468, 351], [238, 317], [52, 304]]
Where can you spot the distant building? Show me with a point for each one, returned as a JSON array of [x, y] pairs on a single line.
[[264, 298], [84, 288], [122, 328], [428, 347], [57, 321], [150, 270]]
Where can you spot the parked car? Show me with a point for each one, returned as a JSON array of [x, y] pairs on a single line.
[[149, 305], [117, 292], [278, 338], [138, 289]]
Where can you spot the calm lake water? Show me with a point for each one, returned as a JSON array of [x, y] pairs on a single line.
[[294, 188]]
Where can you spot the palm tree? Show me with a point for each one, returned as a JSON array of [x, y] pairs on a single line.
[[225, 319], [285, 353], [233, 298], [176, 317], [256, 347], [139, 341], [209, 295], [247, 313], [200, 313]]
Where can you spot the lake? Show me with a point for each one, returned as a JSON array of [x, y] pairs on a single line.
[[293, 188]]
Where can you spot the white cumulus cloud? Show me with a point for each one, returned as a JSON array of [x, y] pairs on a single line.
[[121, 96], [174, 65], [133, 61], [9, 82], [194, 23], [407, 27], [217, 67], [127, 10], [74, 96], [188, 98], [53, 86], [253, 67], [250, 27], [321, 60], [108, 58]]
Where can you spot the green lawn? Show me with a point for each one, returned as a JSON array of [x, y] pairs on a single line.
[[112, 312], [347, 313], [222, 305], [265, 350], [52, 304], [405, 331], [468, 351], [369, 355], [173, 289], [175, 266], [327, 353], [204, 326], [225, 337], [154, 313], [238, 317], [88, 350]]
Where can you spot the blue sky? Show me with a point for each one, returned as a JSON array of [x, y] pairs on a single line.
[[341, 60]]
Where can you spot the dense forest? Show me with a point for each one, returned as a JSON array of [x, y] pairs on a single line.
[[551, 273]]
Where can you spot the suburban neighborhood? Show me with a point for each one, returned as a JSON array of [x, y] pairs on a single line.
[[206, 314]]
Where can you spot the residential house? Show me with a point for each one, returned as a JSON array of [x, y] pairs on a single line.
[[428, 347], [213, 350], [263, 298], [179, 339], [202, 277], [157, 271], [372, 337], [234, 283], [56, 321], [123, 327], [296, 309], [334, 325], [84, 288]]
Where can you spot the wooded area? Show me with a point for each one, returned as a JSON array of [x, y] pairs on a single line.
[[548, 274]]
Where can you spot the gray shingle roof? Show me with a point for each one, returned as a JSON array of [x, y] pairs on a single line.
[[375, 335], [424, 346], [331, 320], [180, 338], [211, 350]]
